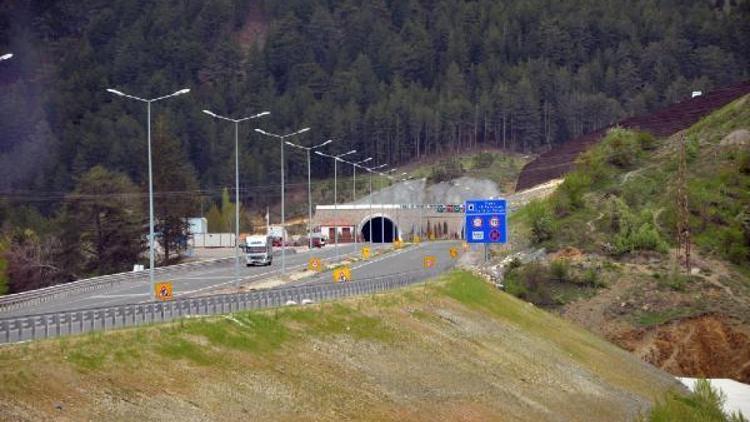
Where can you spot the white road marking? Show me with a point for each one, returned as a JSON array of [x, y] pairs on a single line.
[[116, 296], [203, 278]]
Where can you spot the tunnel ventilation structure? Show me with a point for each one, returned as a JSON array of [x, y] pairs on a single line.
[[382, 230]]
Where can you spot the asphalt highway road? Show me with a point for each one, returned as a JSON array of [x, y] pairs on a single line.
[[191, 280], [398, 261], [199, 279]]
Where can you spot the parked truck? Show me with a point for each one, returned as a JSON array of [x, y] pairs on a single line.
[[258, 250]]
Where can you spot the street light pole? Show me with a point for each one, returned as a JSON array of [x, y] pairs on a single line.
[[371, 171], [309, 191], [151, 252], [336, 159], [385, 177], [236, 184], [281, 139], [356, 164]]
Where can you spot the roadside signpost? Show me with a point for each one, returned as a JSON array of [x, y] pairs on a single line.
[[416, 239], [429, 261], [342, 274], [486, 222], [163, 291], [365, 252], [453, 253]]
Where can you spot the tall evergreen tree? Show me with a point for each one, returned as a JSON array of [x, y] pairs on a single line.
[[107, 214], [175, 188]]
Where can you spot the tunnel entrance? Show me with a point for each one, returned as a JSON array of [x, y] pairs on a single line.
[[382, 230]]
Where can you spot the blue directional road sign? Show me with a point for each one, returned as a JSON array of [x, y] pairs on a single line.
[[486, 221]]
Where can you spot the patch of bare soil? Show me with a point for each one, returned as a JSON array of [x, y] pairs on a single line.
[[698, 329], [255, 27], [710, 346]]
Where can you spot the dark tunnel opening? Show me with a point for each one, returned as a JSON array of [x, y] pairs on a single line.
[[382, 230]]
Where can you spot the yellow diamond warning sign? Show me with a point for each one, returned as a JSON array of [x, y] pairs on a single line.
[[365, 252], [315, 264], [453, 252], [342, 274], [163, 290], [429, 261]]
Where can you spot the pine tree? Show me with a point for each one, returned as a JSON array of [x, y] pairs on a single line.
[[108, 217], [175, 186]]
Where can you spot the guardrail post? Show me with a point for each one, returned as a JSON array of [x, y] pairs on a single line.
[[56, 322]]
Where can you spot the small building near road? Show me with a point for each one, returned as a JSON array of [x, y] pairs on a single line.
[[345, 228]]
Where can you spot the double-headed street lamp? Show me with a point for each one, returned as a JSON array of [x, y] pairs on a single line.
[[336, 159], [385, 176], [398, 216], [309, 194], [148, 102], [372, 170], [237, 183], [281, 139], [356, 164]]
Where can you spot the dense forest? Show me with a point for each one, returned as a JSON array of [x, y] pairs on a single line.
[[396, 79]]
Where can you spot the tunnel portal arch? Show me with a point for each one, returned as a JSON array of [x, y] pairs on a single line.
[[383, 229]]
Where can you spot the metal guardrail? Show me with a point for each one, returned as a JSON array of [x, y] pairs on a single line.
[[37, 296], [33, 327], [44, 294]]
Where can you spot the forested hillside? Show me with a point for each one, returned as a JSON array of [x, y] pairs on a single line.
[[398, 79]]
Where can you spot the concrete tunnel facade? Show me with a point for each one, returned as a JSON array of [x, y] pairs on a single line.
[[388, 221]]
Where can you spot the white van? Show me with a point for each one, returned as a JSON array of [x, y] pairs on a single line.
[[258, 250]]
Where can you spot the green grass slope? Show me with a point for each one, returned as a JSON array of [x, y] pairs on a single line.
[[610, 230], [454, 349], [621, 203]]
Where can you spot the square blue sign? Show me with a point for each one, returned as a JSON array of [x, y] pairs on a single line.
[[486, 221]]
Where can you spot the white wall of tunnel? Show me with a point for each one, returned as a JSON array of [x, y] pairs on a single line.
[[436, 221]]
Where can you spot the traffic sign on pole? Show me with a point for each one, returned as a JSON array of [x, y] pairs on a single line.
[[365, 252], [486, 221], [315, 264], [453, 252], [429, 261], [342, 274], [163, 291]]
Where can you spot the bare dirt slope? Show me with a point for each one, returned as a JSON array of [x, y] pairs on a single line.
[[454, 350]]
